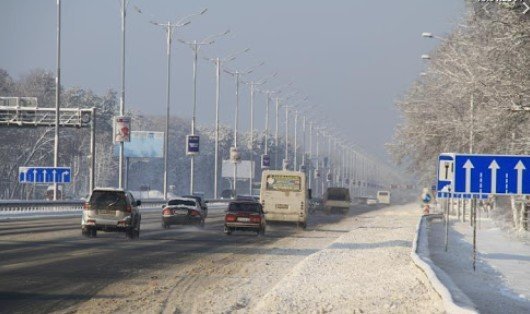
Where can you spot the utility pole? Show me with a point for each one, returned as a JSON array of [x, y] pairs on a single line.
[[195, 47], [218, 64], [169, 28], [57, 98]]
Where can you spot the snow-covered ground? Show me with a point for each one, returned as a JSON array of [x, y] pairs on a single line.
[[359, 264], [501, 282]]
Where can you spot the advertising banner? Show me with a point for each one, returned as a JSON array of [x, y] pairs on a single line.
[[192, 145], [122, 129]]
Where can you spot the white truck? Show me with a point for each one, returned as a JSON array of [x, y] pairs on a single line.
[[337, 199]]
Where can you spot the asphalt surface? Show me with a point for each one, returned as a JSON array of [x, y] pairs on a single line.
[[46, 265]]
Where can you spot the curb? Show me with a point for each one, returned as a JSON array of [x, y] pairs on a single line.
[[454, 300]]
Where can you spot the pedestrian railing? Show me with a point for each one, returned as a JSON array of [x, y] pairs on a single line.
[[22, 207]]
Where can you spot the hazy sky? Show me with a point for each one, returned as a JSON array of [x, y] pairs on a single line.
[[352, 58]]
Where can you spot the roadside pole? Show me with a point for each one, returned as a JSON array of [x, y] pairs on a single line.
[[474, 202], [447, 220], [92, 150]]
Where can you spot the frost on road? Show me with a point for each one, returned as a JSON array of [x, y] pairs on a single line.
[[357, 264]]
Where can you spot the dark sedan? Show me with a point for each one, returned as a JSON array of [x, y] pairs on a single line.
[[245, 216], [182, 211]]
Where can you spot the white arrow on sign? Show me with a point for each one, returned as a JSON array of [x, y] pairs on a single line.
[[520, 168], [35, 175], [54, 172], [63, 175], [494, 166], [527, 8], [468, 166], [44, 175]]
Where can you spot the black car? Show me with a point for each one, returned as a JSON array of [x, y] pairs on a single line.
[[182, 211]]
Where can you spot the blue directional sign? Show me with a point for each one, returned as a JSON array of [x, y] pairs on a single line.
[[472, 175], [192, 144], [44, 175]]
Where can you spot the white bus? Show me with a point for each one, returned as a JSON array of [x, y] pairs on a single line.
[[383, 197], [284, 196]]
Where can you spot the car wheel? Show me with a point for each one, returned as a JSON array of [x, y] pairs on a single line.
[[165, 225], [85, 232], [228, 231], [129, 233], [201, 224], [303, 225], [93, 233]]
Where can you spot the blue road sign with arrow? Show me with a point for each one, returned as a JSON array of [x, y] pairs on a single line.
[[469, 175], [44, 175]]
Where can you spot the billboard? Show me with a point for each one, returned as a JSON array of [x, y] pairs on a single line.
[[143, 144], [192, 145], [243, 169], [122, 129]]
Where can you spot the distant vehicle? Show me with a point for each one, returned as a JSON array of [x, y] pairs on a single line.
[[245, 216], [182, 211], [284, 196], [228, 194], [371, 201], [111, 209], [250, 198], [337, 199], [49, 192], [199, 198], [383, 197]]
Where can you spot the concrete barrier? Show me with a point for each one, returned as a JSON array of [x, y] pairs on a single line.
[[454, 300]]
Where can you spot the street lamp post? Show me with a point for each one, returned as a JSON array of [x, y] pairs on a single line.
[[195, 47], [236, 74], [57, 97], [218, 63], [252, 85], [170, 27]]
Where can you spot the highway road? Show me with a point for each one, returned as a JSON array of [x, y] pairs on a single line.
[[46, 265]]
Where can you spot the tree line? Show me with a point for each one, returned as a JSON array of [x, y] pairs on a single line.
[[33, 146]]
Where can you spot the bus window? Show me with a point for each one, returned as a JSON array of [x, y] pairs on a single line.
[[284, 183]]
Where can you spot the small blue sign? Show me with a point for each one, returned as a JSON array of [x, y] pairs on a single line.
[[484, 174], [44, 175], [265, 161], [192, 144]]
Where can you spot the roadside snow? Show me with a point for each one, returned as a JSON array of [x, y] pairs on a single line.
[[501, 283], [367, 270]]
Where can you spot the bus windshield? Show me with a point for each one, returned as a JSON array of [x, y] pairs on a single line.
[[284, 183]]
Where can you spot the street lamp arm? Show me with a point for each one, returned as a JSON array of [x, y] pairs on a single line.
[[183, 21]]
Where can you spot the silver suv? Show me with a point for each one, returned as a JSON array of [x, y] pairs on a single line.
[[111, 210]]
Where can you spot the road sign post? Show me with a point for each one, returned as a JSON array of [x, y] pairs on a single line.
[[472, 176]]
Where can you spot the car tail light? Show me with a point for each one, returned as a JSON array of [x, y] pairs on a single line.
[[193, 213], [230, 217], [128, 208], [122, 223], [86, 206], [255, 219], [91, 222], [166, 211]]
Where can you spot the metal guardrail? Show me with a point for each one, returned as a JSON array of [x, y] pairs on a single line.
[[15, 207]]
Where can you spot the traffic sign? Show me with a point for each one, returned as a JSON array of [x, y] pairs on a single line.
[[265, 161], [479, 175], [192, 145], [44, 175]]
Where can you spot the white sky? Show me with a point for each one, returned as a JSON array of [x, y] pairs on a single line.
[[352, 58]]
